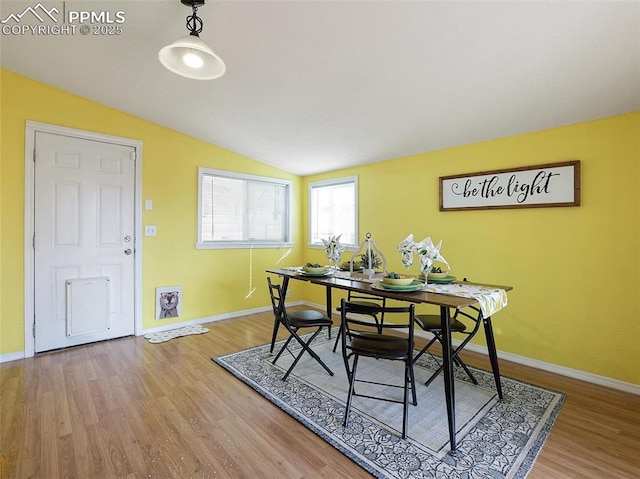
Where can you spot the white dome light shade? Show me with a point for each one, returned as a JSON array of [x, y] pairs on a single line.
[[192, 58]]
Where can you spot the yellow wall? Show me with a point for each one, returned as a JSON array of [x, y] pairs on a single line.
[[213, 281], [574, 270]]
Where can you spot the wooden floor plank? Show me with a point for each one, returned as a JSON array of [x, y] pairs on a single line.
[[128, 408]]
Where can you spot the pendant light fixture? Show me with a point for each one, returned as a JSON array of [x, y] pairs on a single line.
[[190, 56]]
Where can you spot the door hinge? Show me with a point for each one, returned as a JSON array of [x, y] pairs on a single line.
[[33, 329], [34, 155], [134, 155], [33, 241]]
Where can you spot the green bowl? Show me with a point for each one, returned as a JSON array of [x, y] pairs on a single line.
[[314, 270], [347, 265], [438, 275], [403, 280]]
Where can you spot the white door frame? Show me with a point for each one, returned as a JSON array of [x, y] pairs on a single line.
[[29, 253]]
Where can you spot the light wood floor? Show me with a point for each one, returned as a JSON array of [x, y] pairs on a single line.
[[127, 408]]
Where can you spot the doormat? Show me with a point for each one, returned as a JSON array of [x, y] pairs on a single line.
[[162, 336]]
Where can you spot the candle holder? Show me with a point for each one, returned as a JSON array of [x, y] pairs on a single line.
[[370, 256]]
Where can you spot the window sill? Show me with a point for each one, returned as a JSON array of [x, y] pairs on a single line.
[[243, 245], [351, 248]]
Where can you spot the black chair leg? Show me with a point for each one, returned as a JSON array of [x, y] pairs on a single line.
[[305, 347], [352, 382], [460, 363], [314, 355], [413, 383], [335, 345], [276, 325], [424, 350], [456, 360], [282, 349], [405, 406]]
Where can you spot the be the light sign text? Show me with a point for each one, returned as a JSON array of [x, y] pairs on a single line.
[[555, 184]]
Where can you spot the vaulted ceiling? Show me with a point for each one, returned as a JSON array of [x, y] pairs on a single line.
[[314, 86]]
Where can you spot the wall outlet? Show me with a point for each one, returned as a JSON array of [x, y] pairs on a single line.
[[150, 230]]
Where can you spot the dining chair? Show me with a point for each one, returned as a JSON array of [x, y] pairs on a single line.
[[392, 341], [301, 315], [432, 323], [293, 322], [364, 300]]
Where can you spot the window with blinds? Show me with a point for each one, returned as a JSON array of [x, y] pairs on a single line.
[[237, 210], [333, 210]]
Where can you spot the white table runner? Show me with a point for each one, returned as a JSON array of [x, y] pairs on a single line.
[[490, 299]]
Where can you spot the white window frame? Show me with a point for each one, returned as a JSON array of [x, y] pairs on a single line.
[[335, 181], [288, 241]]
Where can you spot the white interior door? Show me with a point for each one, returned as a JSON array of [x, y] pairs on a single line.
[[84, 227]]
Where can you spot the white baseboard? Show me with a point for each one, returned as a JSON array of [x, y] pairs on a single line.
[[564, 371], [5, 358], [208, 319], [211, 319], [534, 363]]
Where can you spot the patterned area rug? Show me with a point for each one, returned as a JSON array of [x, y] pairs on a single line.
[[162, 336], [496, 439]]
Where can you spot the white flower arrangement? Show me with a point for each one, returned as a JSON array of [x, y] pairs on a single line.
[[426, 250], [332, 248]]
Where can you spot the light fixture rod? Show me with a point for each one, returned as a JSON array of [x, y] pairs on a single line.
[[194, 22]]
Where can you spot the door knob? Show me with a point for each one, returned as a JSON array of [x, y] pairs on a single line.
[[128, 251]]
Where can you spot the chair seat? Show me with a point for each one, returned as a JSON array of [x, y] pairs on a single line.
[[306, 314], [391, 347], [308, 318], [429, 322]]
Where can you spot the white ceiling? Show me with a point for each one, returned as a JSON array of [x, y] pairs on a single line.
[[314, 86]]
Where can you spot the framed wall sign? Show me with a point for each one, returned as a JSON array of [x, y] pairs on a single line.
[[553, 184]]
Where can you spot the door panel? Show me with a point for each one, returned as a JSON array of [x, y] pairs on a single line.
[[65, 206], [84, 222]]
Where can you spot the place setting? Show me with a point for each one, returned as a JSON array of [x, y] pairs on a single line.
[[438, 276], [315, 270], [428, 254], [398, 282]]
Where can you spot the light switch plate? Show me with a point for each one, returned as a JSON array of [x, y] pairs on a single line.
[[150, 230], [148, 205]]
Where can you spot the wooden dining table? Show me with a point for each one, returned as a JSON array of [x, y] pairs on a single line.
[[446, 302]]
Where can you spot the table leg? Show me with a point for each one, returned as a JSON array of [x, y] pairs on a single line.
[[447, 361], [493, 354], [329, 307], [285, 285]]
